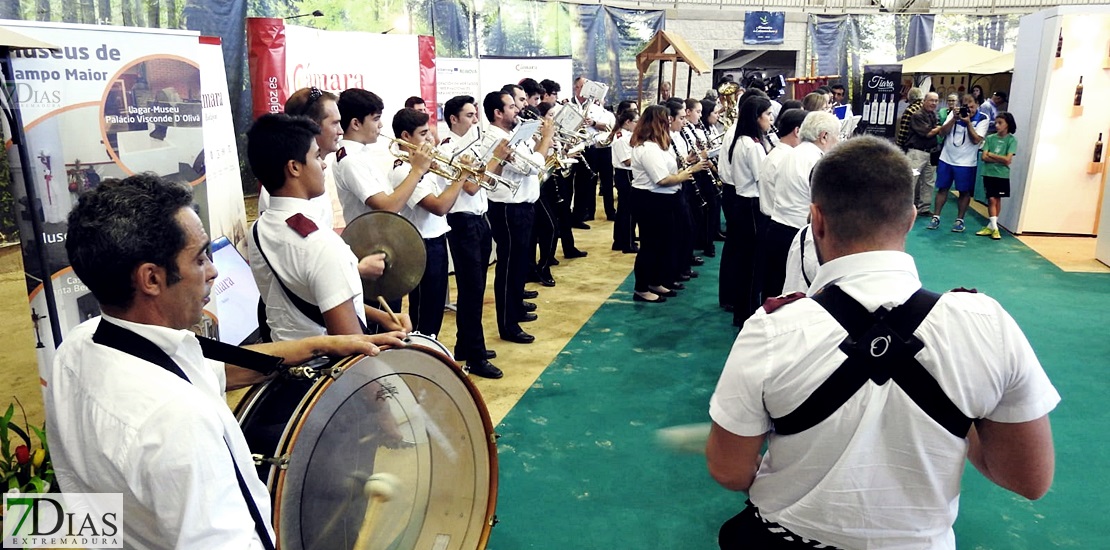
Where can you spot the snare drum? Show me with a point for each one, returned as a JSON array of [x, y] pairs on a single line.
[[409, 412]]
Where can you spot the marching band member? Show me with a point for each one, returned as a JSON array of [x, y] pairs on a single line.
[[470, 240], [683, 225], [307, 276], [429, 202], [655, 181], [598, 161], [624, 229], [511, 214]]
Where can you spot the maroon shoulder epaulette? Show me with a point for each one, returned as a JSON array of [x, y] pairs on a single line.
[[302, 225], [445, 140], [771, 304], [397, 163], [620, 133], [342, 152], [962, 289]]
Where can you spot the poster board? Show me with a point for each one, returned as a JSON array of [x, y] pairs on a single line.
[[881, 96]]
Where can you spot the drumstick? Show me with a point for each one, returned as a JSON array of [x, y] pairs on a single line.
[[389, 310], [687, 438], [379, 488]]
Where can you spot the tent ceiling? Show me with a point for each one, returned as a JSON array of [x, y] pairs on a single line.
[[953, 58]]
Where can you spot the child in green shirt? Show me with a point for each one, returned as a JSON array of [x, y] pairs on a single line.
[[998, 151]]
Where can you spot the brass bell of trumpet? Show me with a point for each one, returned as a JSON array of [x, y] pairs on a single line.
[[441, 165]]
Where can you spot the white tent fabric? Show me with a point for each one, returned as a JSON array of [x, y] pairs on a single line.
[[953, 58], [13, 39], [1002, 64]]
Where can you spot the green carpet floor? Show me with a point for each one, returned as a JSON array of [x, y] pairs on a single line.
[[579, 468]]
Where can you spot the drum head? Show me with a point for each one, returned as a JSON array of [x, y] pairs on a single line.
[[395, 453]]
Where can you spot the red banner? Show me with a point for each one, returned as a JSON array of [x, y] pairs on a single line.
[[266, 59], [427, 46]]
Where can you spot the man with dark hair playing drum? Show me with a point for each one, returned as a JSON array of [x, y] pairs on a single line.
[[133, 404], [307, 276]]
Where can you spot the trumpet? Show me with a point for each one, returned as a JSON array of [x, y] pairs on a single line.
[[451, 170]]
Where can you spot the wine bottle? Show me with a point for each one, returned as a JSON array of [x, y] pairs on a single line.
[[880, 117], [1098, 149], [1079, 93], [1060, 44], [866, 109], [891, 110], [873, 117]]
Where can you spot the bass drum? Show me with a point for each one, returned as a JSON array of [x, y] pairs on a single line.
[[408, 421], [417, 339]]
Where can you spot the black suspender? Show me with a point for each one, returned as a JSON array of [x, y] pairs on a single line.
[[308, 310], [127, 341], [880, 347], [802, 256]]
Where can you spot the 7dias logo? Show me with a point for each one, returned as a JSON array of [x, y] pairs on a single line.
[[69, 520]]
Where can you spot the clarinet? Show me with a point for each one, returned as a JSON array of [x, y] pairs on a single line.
[[682, 164], [718, 185]]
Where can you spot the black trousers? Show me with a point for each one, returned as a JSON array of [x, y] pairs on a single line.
[[738, 259], [776, 247], [427, 300], [684, 226], [655, 263], [707, 219], [585, 187], [511, 225], [624, 230], [727, 291], [471, 245], [602, 162], [546, 226], [747, 531]]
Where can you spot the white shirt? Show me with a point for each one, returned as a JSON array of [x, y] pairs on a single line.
[[767, 172], [600, 115], [430, 225], [319, 268], [801, 263], [622, 149], [724, 165], [357, 178], [878, 473], [529, 190], [744, 167], [118, 424], [792, 185], [476, 204], [650, 165], [958, 148]]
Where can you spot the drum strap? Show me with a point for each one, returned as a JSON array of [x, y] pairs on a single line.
[[307, 309], [127, 341], [802, 255], [880, 347]]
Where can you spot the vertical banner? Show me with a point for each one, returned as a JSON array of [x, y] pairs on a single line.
[[881, 94], [111, 103], [427, 46], [764, 27], [266, 63]]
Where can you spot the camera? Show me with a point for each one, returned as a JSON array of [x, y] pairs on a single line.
[[964, 113]]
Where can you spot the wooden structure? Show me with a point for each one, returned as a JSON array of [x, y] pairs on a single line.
[[657, 50]]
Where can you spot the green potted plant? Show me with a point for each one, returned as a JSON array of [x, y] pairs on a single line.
[[24, 462]]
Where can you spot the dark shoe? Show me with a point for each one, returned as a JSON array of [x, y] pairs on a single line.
[[546, 279], [683, 278], [554, 261], [519, 338], [575, 253], [533, 277], [670, 293], [677, 286], [588, 218], [485, 369], [579, 225], [709, 253], [925, 213], [531, 294], [490, 354], [617, 247], [528, 306], [696, 261], [638, 298], [691, 274], [528, 317], [719, 237], [633, 250]]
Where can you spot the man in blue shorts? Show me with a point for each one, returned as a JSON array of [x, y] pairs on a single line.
[[958, 159]]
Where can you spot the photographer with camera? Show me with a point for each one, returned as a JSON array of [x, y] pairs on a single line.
[[959, 159]]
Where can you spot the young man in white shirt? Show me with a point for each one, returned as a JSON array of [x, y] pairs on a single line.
[[869, 415], [427, 205], [362, 185], [133, 406]]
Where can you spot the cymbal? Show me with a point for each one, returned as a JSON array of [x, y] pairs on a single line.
[[405, 256]]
